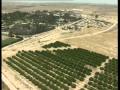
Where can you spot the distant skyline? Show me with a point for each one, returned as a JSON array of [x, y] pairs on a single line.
[[113, 2]]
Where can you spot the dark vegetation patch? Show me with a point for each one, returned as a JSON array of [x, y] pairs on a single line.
[[55, 71], [56, 45]]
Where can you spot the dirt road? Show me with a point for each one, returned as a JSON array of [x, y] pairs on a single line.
[[87, 35], [32, 44]]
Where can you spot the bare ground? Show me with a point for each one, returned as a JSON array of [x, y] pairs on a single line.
[[104, 43]]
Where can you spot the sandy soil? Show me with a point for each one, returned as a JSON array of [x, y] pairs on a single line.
[[104, 43], [35, 42], [60, 6]]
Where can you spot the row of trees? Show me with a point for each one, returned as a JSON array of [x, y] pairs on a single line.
[[80, 56], [106, 80], [61, 69], [42, 69], [45, 68], [57, 71], [24, 72], [39, 74], [78, 71]]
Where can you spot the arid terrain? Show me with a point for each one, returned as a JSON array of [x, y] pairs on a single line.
[[103, 41]]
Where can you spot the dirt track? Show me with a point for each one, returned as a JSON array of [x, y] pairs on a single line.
[[88, 41]]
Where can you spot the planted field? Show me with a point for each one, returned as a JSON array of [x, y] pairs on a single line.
[[10, 41], [55, 71], [56, 45], [81, 57], [107, 80]]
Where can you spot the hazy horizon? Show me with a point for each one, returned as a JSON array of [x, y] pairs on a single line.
[[111, 2]]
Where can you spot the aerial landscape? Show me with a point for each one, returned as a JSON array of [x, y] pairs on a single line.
[[59, 46]]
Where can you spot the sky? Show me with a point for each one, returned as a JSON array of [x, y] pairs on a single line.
[[113, 2]]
